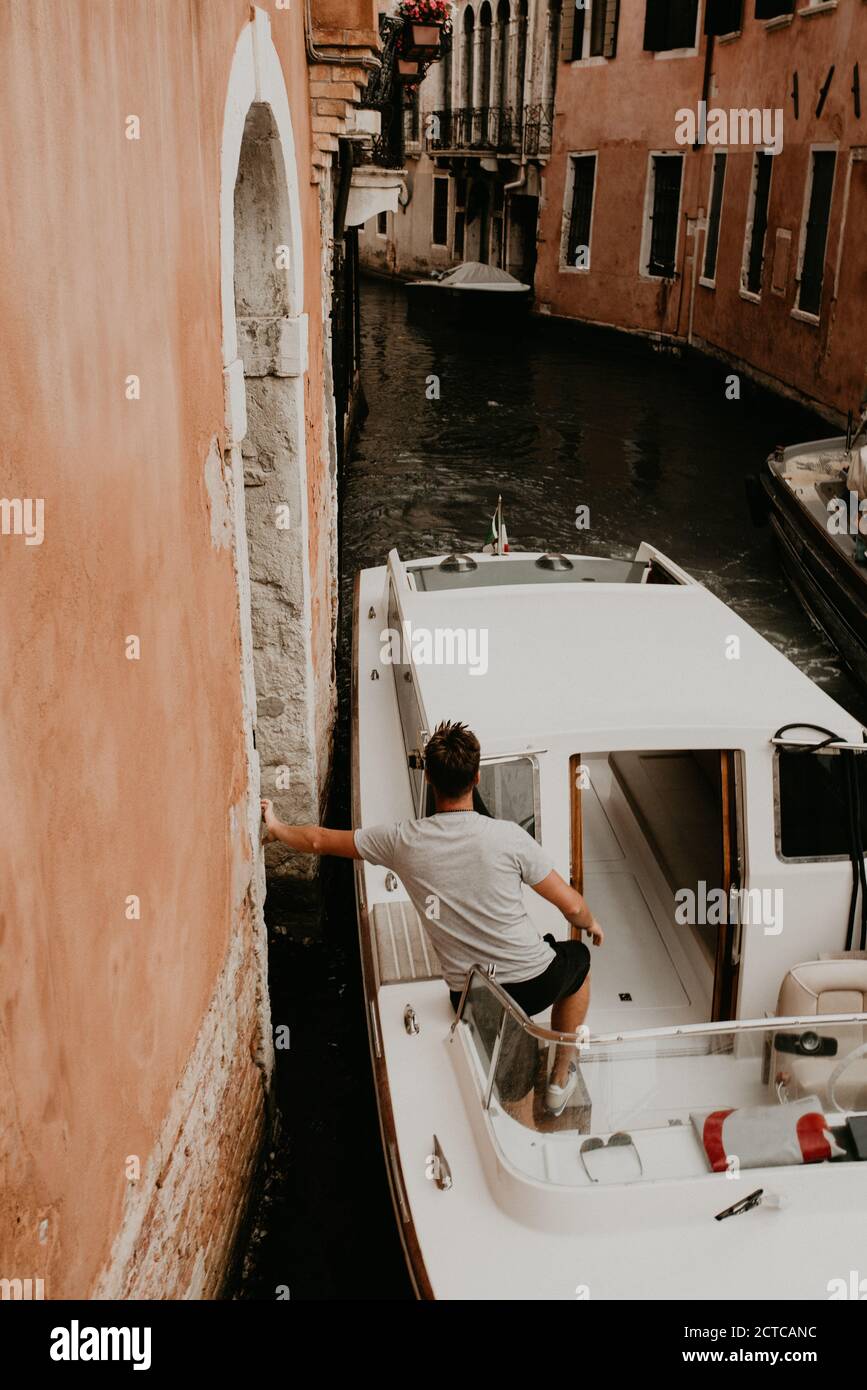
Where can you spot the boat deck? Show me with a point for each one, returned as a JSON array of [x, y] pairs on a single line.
[[817, 480]]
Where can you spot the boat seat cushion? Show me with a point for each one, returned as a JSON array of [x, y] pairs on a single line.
[[835, 985], [831, 985], [761, 1136]]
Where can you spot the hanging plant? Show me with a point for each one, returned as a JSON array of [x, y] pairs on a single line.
[[426, 24]]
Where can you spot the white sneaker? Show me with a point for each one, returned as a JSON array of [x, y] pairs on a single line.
[[557, 1097]]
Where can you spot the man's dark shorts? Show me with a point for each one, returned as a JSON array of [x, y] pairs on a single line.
[[565, 975]]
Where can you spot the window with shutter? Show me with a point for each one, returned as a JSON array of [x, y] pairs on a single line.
[[593, 31], [711, 244], [772, 9], [667, 174], [581, 211], [683, 23], [597, 28], [816, 231], [670, 24], [655, 25], [612, 20], [758, 226], [723, 16], [572, 20]]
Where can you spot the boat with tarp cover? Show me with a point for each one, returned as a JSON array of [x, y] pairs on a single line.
[[471, 293]]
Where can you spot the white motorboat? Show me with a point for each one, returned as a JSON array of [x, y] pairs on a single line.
[[703, 794], [471, 293], [815, 519]]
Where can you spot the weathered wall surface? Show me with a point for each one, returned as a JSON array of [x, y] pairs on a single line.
[[624, 108], [824, 362], [129, 1039]]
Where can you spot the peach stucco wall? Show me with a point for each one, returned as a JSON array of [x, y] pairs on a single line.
[[124, 772]]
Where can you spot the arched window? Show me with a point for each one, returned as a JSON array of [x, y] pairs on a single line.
[[486, 35], [552, 49], [520, 57], [467, 58], [500, 93], [447, 68]]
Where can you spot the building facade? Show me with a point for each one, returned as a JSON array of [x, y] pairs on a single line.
[[476, 140], [742, 235], [554, 141], [174, 225]]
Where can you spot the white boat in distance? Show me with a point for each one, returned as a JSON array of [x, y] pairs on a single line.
[[668, 759], [471, 293]]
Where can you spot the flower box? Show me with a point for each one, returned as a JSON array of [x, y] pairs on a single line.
[[425, 36]]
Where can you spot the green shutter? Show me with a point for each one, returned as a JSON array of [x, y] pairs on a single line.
[[567, 30], [612, 20], [655, 25]]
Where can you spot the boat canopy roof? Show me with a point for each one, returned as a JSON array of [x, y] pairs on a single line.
[[611, 665], [474, 275]]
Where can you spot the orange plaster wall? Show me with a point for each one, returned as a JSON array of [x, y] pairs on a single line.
[[627, 107], [123, 773]]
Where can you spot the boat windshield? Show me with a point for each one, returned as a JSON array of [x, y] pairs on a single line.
[[668, 1103], [508, 790]]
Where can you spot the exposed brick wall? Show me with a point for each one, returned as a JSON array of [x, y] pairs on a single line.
[[182, 1218]]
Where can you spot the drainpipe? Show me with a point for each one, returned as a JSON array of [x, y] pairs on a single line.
[[699, 225], [509, 188]]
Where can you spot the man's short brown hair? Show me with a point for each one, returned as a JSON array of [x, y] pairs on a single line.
[[451, 759]]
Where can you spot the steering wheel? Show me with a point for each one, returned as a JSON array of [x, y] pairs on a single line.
[[838, 1071]]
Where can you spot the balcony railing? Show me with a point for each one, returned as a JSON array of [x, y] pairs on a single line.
[[495, 129]]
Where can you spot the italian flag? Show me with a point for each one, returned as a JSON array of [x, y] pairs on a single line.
[[497, 540]]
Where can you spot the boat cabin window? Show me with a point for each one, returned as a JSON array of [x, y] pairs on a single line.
[[813, 803], [508, 790]]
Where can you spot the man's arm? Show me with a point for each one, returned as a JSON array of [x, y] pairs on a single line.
[[310, 839], [569, 901]]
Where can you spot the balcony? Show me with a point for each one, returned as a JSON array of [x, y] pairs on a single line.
[[516, 131]]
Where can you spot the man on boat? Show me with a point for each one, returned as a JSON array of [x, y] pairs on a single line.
[[464, 873]]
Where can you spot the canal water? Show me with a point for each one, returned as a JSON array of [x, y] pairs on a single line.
[[554, 419]]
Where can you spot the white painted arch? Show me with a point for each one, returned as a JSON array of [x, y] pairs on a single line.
[[256, 79], [256, 76]]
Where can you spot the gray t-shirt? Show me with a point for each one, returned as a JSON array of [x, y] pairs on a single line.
[[463, 873]]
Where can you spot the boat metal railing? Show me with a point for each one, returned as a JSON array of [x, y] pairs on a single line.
[[609, 1049], [585, 1038]]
